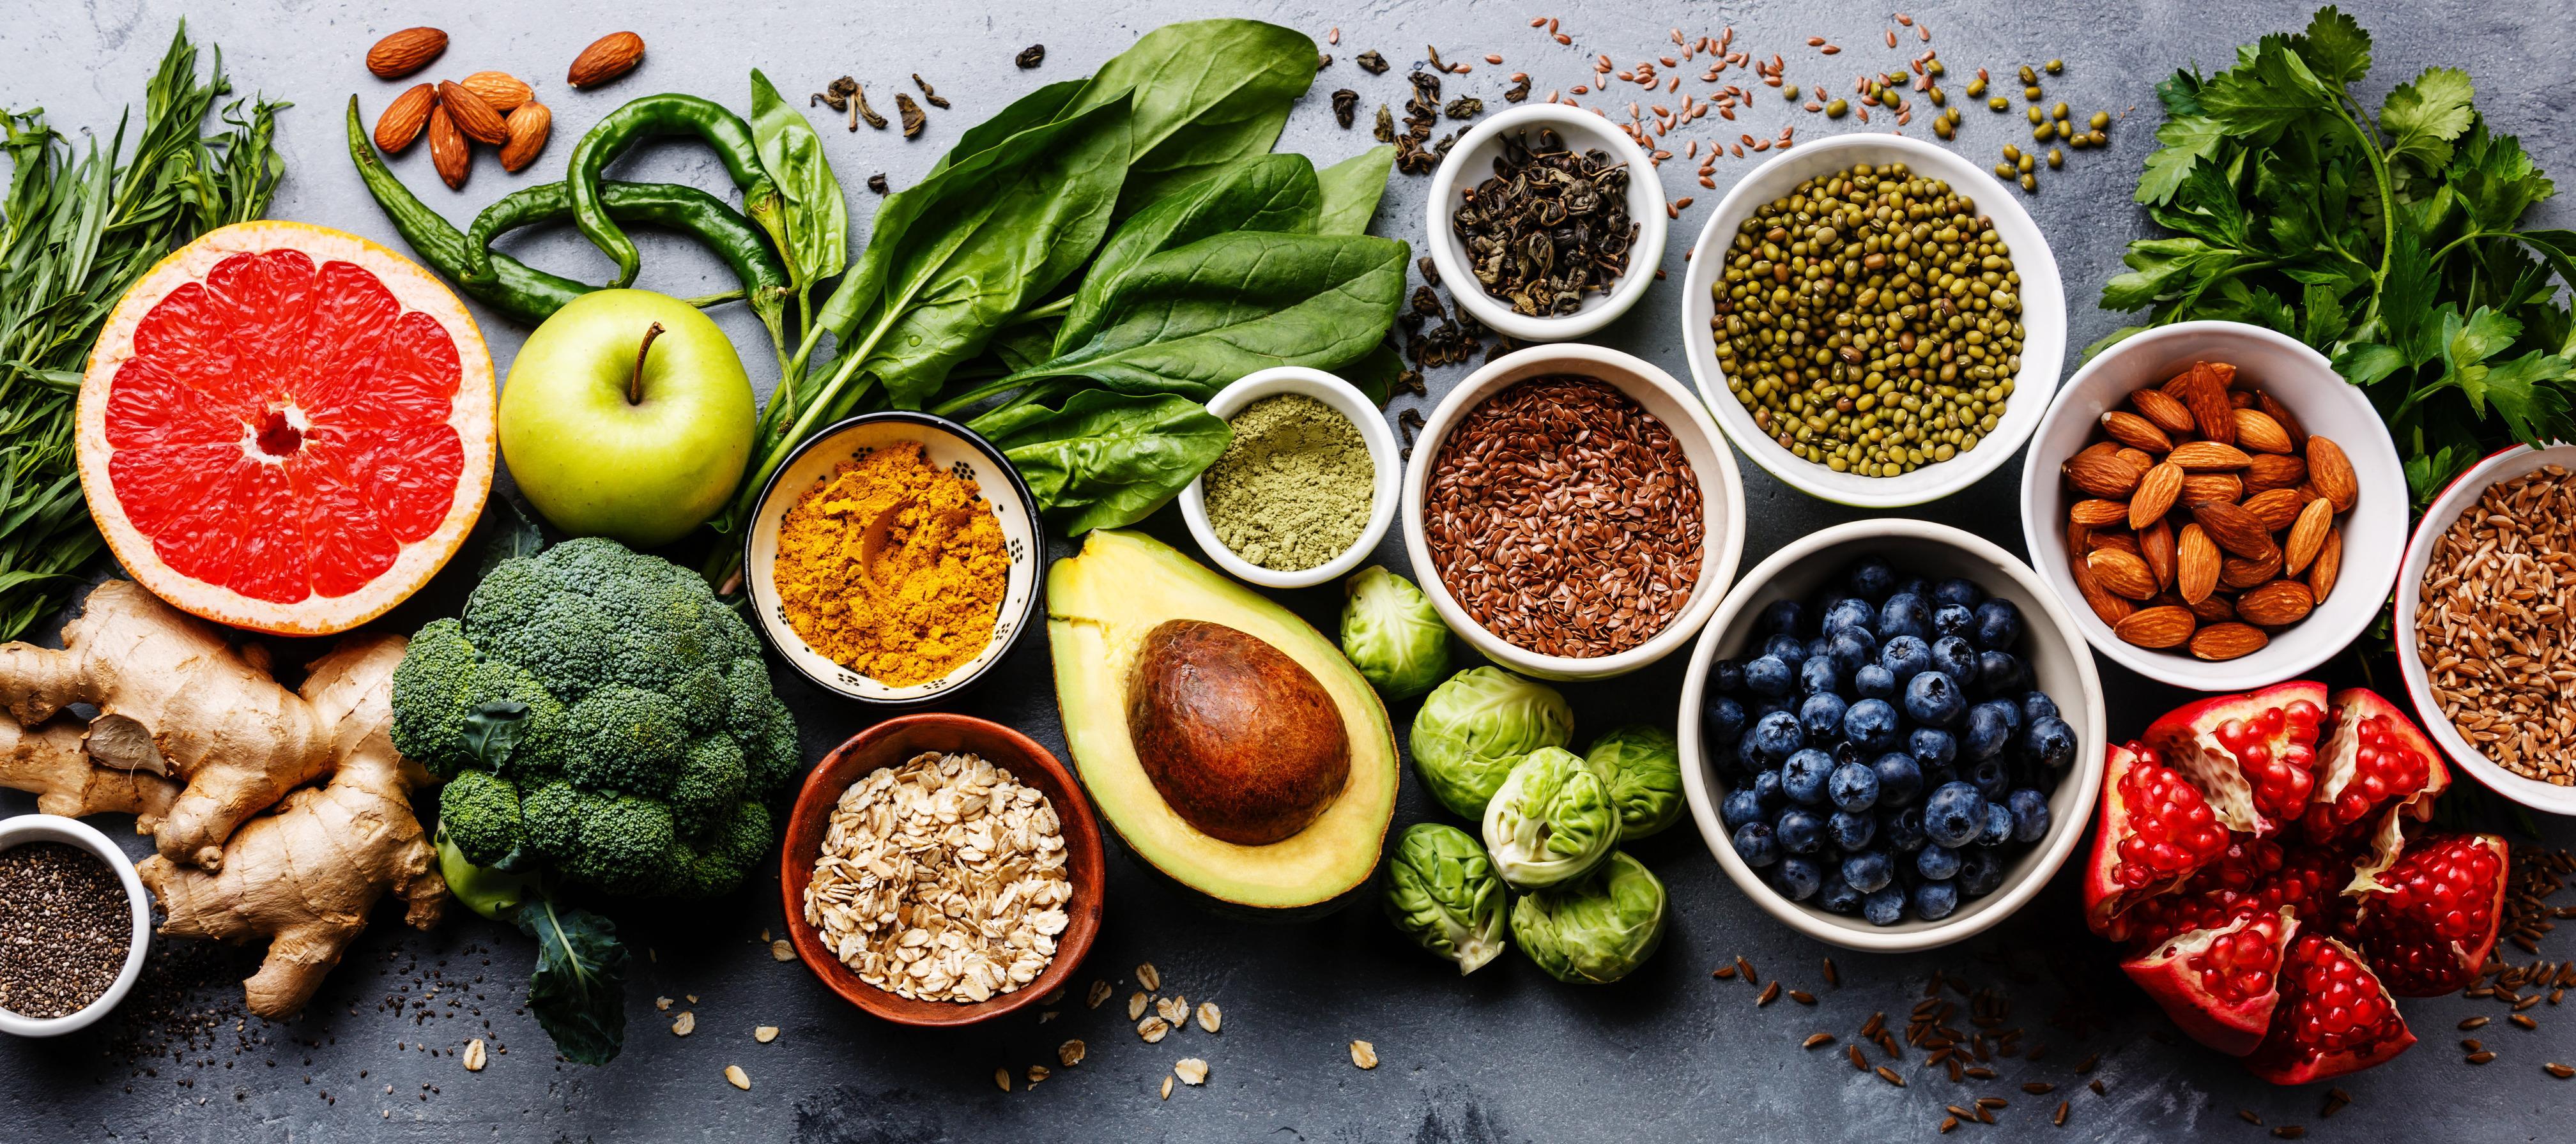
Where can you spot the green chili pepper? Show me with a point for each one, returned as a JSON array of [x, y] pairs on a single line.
[[670, 114], [514, 289]]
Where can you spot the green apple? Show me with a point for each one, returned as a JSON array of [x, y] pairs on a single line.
[[627, 415]]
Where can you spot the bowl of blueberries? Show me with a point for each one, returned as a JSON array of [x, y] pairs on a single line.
[[1891, 734]]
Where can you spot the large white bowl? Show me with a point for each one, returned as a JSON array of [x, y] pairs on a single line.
[[2464, 492], [1721, 500], [27, 828], [1365, 416], [2050, 646], [2043, 318], [1471, 162], [2301, 378]]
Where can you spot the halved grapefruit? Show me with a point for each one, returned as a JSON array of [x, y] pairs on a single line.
[[286, 428]]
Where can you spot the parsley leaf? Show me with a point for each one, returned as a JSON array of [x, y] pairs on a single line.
[[2423, 117], [2334, 47]]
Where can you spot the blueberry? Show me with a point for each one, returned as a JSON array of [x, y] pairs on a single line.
[[1991, 778], [1767, 704], [1766, 786], [1819, 646], [2050, 742], [1741, 806], [2035, 706], [1725, 719], [1905, 657], [2029, 814], [1797, 878], [1871, 577], [1954, 814], [1985, 733], [1774, 738], [1799, 830], [1868, 870], [1726, 675], [1850, 830], [1932, 746], [1769, 675], [1821, 716], [1885, 906], [1999, 825], [1933, 698], [1852, 649], [1903, 830], [1900, 778], [1951, 620], [1853, 786], [1804, 776], [1964, 593], [1846, 752], [1755, 844], [1849, 612], [1904, 614], [1980, 871], [1819, 675], [1873, 681], [1788, 649], [2001, 673], [1838, 897], [1915, 586], [1872, 724], [1937, 862], [1998, 625], [1784, 617], [2006, 710], [1935, 900]]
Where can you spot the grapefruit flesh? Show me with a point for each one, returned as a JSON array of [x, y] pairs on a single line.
[[287, 428]]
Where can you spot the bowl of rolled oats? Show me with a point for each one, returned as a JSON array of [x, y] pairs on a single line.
[[942, 870]]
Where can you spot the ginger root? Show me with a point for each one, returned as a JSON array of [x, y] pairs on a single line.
[[49, 761]]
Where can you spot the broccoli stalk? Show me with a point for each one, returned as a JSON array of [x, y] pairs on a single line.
[[578, 991]]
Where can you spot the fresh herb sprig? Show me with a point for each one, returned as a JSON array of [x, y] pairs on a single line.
[[74, 236], [2388, 241]]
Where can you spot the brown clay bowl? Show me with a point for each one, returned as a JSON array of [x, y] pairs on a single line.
[[889, 744]]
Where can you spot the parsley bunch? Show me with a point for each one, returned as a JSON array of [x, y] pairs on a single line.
[[2388, 242]]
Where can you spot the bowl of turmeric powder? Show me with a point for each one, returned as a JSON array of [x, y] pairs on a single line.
[[894, 558]]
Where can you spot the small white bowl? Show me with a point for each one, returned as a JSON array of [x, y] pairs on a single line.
[[2043, 319], [2299, 377], [1721, 500], [27, 828], [2465, 491], [1471, 162], [950, 446], [1345, 400], [2050, 646]]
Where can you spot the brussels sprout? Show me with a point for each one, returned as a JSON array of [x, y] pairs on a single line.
[[1594, 931], [1391, 633], [1552, 821], [1474, 727], [1644, 767], [1441, 892]]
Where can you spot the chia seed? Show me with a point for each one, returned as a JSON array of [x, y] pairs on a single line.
[[65, 928]]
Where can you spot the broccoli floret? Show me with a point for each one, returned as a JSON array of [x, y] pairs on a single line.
[[479, 813], [711, 778], [717, 863], [550, 817], [624, 842], [437, 688], [703, 699], [624, 739], [773, 759]]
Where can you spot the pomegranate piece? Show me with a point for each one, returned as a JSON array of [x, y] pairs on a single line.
[[2374, 757], [2252, 875], [2431, 917], [2220, 985], [2155, 831], [2333, 1018], [2254, 755]]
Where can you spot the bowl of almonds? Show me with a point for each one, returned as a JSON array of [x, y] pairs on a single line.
[[2218, 506]]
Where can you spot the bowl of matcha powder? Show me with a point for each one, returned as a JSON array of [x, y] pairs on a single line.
[[1306, 488]]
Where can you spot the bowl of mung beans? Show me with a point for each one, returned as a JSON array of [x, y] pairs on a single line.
[[1874, 320]]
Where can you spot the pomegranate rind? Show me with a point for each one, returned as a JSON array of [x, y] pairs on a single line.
[[2281, 1060], [2187, 737], [470, 414], [2105, 899], [2338, 767], [2386, 939], [2233, 1028]]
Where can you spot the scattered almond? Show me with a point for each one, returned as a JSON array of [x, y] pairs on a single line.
[[2281, 415], [2205, 394], [2101, 474], [2227, 641], [448, 150], [405, 52], [742, 1080], [501, 91], [2198, 487], [474, 1055], [2307, 536], [2270, 471], [2156, 494], [2196, 563], [2234, 528], [2242, 573], [2321, 575], [2112, 609], [2213, 609], [2157, 627], [2165, 412], [2204, 456], [1364, 1054], [607, 58], [473, 116], [405, 118], [2156, 547], [1192, 1071], [529, 124], [2097, 511]]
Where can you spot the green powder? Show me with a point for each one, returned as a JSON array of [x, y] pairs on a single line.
[[1292, 490]]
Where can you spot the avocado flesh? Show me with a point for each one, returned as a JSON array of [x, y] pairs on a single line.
[[1100, 606]]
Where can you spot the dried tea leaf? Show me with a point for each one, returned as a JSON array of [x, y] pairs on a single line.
[[1385, 130], [1346, 107], [1371, 62], [927, 93], [1030, 56], [912, 115]]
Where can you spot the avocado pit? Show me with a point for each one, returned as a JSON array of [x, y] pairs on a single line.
[[1240, 740]]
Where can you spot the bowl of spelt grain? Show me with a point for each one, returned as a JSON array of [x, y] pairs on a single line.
[[2484, 629]]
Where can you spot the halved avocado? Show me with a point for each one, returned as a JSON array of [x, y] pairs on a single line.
[[1105, 608]]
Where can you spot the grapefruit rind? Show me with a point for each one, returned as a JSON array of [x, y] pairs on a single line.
[[470, 414]]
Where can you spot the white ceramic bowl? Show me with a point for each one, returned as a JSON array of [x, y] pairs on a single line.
[[2299, 377], [950, 446], [1345, 400], [2464, 492], [2043, 318], [2050, 646], [1471, 162], [27, 828], [1721, 500]]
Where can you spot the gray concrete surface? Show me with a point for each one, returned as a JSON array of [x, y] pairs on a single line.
[[1506, 1055]]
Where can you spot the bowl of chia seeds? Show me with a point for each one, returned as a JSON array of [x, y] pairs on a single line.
[[1546, 222], [1874, 320], [74, 925], [1306, 487]]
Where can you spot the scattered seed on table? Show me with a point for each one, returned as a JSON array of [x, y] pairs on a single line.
[[2289, 1132], [2482, 1056], [2523, 1021], [2088, 1064], [1801, 996], [1948, 1123], [2097, 1088], [1722, 972], [2473, 1023], [2038, 1088], [2336, 1098], [2247, 1115], [1746, 968], [1859, 1062], [1770, 993], [2560, 1071], [1889, 1075], [1832, 977]]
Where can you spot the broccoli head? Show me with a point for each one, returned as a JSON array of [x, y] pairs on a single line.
[[478, 811], [446, 682], [624, 739], [710, 781], [624, 843]]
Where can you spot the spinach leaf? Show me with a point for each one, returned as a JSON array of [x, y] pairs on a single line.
[[1108, 459], [1376, 373], [1192, 320], [1267, 192], [578, 992], [1352, 188], [1207, 92], [817, 243], [1026, 344], [1036, 109]]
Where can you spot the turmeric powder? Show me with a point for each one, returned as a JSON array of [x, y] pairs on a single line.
[[893, 567]]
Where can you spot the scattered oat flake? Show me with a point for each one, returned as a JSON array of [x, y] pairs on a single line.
[[1047, 1016], [779, 950], [1053, 998], [1149, 977], [662, 1003], [1071, 1052], [1153, 1029], [1100, 992], [685, 1024], [1136, 1003], [1364, 1054], [1038, 1073], [1209, 1017], [1167, 1088], [1175, 1009], [1002, 1079], [474, 1055], [742, 1080], [1191, 1070], [765, 1034]]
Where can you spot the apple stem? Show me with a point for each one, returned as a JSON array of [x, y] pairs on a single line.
[[635, 385]]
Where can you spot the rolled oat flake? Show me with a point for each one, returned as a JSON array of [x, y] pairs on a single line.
[[65, 928], [1293, 487]]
